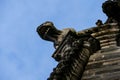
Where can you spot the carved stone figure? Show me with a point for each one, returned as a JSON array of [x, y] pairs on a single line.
[[112, 9]]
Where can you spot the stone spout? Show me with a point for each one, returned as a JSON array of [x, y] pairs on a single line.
[[47, 31]]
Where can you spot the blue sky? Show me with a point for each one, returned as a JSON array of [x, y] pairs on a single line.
[[23, 54]]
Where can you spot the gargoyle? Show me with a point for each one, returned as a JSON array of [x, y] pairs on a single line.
[[112, 9], [47, 31]]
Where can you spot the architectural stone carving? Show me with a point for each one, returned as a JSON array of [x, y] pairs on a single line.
[[91, 54], [112, 9]]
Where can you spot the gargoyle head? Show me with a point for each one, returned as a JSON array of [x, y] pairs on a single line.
[[47, 31]]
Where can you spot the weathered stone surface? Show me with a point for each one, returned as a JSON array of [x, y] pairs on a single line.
[[105, 63]]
